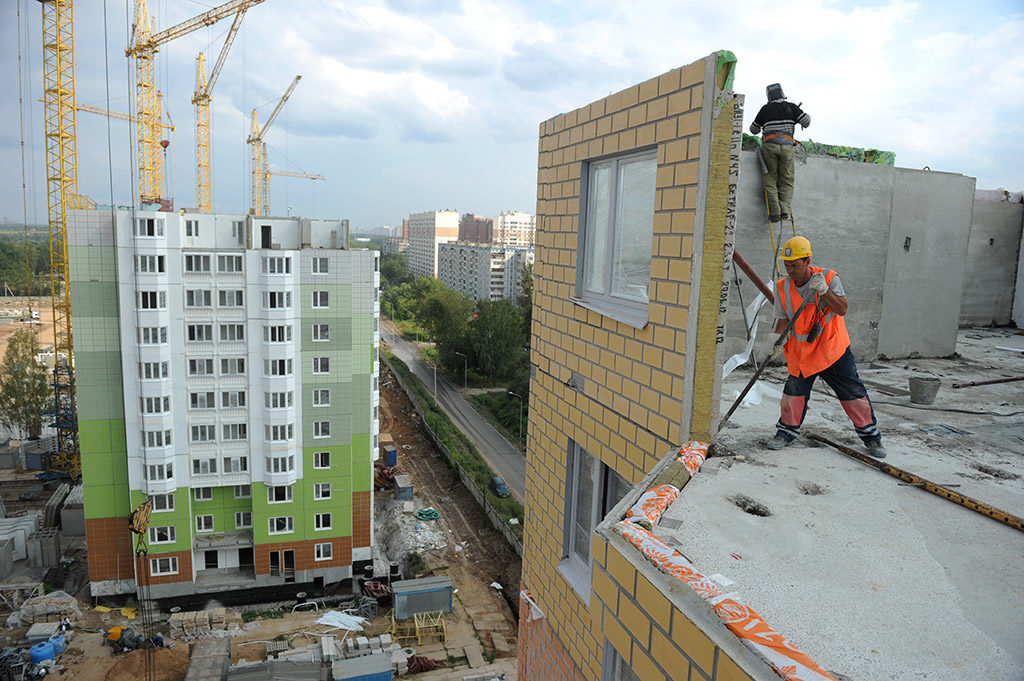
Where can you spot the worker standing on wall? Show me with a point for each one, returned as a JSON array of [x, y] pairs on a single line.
[[819, 346], [778, 119]]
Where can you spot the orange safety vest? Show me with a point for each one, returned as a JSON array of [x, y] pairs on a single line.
[[803, 357]]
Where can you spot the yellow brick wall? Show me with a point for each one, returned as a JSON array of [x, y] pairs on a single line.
[[638, 398]]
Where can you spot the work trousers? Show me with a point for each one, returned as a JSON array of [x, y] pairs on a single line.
[[842, 377], [778, 180]]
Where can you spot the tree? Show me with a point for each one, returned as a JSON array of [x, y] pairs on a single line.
[[497, 338], [446, 314], [24, 393], [526, 299], [394, 271]]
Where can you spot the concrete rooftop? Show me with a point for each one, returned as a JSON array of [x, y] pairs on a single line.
[[872, 578]]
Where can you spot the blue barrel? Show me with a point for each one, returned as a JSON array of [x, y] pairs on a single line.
[[41, 652], [391, 454], [60, 644]]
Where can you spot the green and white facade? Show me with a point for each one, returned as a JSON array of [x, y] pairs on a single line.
[[226, 367]]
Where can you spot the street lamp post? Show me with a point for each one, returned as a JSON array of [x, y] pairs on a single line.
[[520, 413], [465, 371], [435, 381]]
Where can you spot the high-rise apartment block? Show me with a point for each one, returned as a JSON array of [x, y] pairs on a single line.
[[226, 368], [483, 271], [426, 232], [475, 229], [514, 229]]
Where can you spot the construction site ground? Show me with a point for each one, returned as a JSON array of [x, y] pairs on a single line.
[[461, 544]]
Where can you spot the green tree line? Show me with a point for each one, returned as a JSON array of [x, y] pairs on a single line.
[[13, 264], [487, 339]]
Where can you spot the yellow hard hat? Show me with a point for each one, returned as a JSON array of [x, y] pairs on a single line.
[[796, 248]]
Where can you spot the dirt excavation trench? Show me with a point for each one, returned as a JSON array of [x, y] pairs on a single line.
[[460, 543]]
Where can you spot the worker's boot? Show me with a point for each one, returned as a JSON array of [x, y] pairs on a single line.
[[779, 441], [875, 448]]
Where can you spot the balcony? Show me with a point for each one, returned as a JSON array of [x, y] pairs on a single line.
[[237, 539]]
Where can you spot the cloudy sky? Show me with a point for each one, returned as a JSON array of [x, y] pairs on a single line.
[[412, 105]]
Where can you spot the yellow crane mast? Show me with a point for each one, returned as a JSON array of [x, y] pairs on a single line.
[[144, 47], [61, 195], [201, 100], [260, 166]]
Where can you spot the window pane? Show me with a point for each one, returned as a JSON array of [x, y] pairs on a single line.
[[598, 199], [634, 217], [583, 512]]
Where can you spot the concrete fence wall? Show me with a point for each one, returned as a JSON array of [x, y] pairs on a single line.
[[897, 237], [993, 261]]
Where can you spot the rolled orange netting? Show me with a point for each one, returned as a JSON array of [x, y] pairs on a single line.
[[692, 455], [787, 660], [651, 505]]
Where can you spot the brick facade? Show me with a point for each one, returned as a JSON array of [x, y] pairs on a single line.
[[111, 554], [626, 393], [361, 514], [305, 554]]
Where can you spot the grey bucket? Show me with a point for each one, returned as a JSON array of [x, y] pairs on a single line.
[[923, 389]]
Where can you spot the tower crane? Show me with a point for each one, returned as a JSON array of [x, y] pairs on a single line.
[[144, 47], [201, 99], [260, 166], [61, 195]]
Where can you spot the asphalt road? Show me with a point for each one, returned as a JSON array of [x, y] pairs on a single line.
[[504, 458]]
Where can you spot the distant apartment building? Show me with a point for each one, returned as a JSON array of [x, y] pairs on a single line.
[[394, 246], [475, 229], [426, 232], [514, 229], [624, 370], [226, 368], [483, 271]]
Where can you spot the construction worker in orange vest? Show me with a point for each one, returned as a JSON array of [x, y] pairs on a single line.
[[819, 346]]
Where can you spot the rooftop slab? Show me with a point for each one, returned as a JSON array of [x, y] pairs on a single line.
[[872, 578]]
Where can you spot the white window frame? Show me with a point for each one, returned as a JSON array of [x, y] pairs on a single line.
[[232, 366], [323, 551], [229, 264], [232, 399], [604, 488], [149, 227], [321, 333], [320, 265], [243, 520], [162, 503], [321, 429], [279, 432], [243, 491], [322, 521], [153, 371], [277, 333], [157, 565], [289, 524], [202, 493], [231, 333], [321, 300], [283, 464], [287, 494], [199, 333], [169, 532], [321, 365], [204, 523], [604, 291], [230, 298], [322, 397], [319, 460], [321, 491], [232, 432], [202, 400], [202, 366], [198, 297], [196, 263], [204, 466], [191, 227]]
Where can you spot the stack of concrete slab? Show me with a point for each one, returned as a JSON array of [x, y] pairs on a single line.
[[72, 515], [43, 547], [376, 646], [52, 607], [218, 617], [370, 668], [310, 653], [19, 529]]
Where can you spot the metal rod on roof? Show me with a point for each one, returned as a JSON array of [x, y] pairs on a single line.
[[992, 382], [917, 480]]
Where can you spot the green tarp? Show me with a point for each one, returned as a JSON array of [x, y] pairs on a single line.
[[887, 158]]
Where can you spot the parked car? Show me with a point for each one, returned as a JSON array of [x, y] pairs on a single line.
[[499, 486]]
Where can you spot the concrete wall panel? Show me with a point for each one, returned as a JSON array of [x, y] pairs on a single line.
[[924, 275], [858, 217], [993, 256]]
